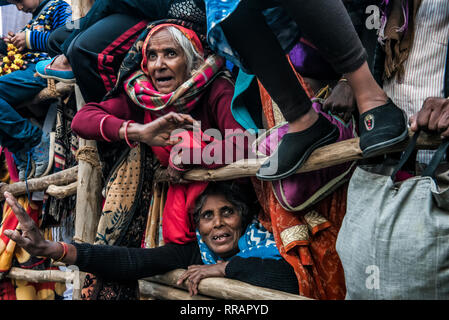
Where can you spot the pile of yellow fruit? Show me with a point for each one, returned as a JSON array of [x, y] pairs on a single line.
[[11, 62]]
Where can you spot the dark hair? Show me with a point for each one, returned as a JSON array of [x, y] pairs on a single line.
[[242, 199]]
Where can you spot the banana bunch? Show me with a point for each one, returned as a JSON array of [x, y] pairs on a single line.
[[13, 61]]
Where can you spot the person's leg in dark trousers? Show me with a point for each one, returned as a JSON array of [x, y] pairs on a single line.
[[259, 49], [18, 134], [96, 54], [261, 52], [56, 39]]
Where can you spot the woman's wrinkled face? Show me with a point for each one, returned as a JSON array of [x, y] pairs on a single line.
[[167, 63], [27, 6], [220, 226]]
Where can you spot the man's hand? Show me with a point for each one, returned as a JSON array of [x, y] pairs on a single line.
[[341, 101], [195, 273], [433, 116]]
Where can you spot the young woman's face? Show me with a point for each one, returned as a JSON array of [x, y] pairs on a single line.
[[167, 63], [27, 6], [220, 226]]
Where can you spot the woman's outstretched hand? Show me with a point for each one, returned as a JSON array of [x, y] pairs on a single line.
[[195, 273], [158, 132], [30, 238]]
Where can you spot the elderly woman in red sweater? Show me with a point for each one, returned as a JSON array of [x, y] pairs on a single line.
[[177, 82]]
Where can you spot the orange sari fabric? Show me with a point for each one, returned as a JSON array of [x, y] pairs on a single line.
[[311, 249]]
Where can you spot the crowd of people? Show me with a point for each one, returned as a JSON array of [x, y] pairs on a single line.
[[146, 69]]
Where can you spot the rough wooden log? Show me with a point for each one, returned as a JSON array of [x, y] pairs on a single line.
[[60, 192], [88, 195], [61, 178], [88, 204], [227, 289], [163, 292], [41, 275], [327, 156], [60, 90]]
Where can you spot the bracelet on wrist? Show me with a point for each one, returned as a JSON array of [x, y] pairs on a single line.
[[65, 249], [133, 145], [101, 128]]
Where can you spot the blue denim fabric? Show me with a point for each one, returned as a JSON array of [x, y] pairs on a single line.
[[285, 29], [16, 132]]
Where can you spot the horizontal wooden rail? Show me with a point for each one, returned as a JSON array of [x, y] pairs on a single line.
[[159, 291], [222, 288], [327, 156], [60, 192], [61, 178], [63, 183], [164, 286], [41, 275]]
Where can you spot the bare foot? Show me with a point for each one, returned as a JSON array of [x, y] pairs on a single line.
[[61, 63], [303, 122]]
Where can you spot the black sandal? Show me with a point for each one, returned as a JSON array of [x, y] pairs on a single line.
[[295, 148], [381, 128]]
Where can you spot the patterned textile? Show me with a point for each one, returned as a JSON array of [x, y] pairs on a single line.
[[311, 252], [14, 256], [190, 10], [256, 242], [122, 190], [124, 225], [217, 11], [61, 211], [306, 239]]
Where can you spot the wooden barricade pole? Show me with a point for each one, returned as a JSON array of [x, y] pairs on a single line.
[[88, 195], [38, 276], [153, 290], [219, 288]]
